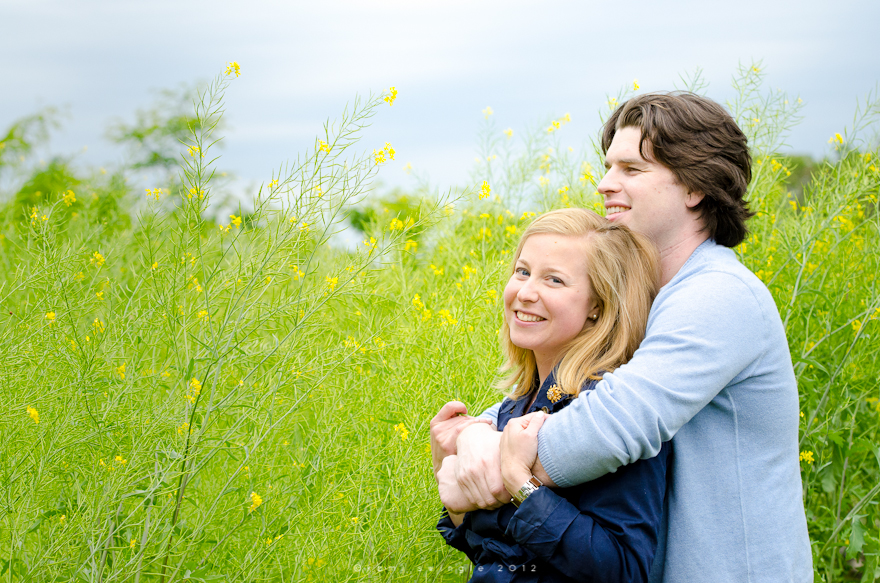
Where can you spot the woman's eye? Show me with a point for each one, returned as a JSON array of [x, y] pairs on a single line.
[[522, 271], [556, 280]]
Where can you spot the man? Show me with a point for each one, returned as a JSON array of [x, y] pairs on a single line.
[[713, 373]]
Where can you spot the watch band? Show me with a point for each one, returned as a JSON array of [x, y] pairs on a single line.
[[525, 491]]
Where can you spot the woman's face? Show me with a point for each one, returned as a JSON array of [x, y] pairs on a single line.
[[548, 299]]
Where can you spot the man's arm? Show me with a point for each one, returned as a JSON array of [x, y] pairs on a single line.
[[702, 335]]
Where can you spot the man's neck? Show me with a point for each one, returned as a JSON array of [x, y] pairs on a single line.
[[674, 256]]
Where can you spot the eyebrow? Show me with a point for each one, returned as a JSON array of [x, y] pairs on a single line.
[[627, 162], [550, 269]]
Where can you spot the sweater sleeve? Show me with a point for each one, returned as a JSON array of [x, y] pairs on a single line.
[[492, 413], [702, 334], [612, 537]]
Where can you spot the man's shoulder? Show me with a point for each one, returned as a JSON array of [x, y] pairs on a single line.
[[714, 275]]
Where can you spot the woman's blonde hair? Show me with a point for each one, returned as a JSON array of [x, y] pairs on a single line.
[[624, 272]]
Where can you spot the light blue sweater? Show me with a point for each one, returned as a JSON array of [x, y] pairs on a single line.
[[713, 374]]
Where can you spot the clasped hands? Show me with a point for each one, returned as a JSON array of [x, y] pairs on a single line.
[[477, 466]]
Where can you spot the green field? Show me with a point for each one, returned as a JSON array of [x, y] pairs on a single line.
[[237, 396]]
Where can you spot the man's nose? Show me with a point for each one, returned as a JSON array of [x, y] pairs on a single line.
[[608, 184]]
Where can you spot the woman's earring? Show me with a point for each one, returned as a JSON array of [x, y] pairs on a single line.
[[594, 317]]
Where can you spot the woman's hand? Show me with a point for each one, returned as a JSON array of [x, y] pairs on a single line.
[[445, 428], [519, 449]]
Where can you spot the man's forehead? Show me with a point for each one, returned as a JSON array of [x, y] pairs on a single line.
[[627, 147]]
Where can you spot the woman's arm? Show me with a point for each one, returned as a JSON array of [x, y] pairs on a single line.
[[611, 533]]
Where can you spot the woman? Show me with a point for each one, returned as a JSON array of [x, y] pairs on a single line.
[[576, 304]]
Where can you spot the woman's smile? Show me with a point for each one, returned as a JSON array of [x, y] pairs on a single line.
[[548, 298]]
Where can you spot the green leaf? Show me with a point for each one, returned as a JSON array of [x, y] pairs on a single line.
[[856, 537]]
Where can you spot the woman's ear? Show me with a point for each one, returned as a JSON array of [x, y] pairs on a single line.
[[593, 312]]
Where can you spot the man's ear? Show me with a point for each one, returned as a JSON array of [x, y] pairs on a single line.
[[693, 199]]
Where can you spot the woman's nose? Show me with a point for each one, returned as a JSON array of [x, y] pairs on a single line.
[[527, 292]]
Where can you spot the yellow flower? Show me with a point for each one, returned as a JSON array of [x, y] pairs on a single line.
[[485, 190], [554, 125], [836, 138], [155, 265], [119, 460], [193, 150], [856, 325], [256, 501], [153, 193], [402, 431], [233, 67], [183, 429], [379, 156], [196, 386], [447, 318], [370, 244], [807, 456], [509, 133], [203, 315], [132, 544], [120, 370], [396, 225], [97, 259], [392, 95], [51, 317], [331, 282], [235, 220], [417, 302], [323, 146], [98, 325], [69, 198], [635, 84], [612, 103], [487, 112], [410, 245], [34, 414], [390, 150]]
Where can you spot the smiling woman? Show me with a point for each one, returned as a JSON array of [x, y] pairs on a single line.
[[574, 271], [548, 300], [576, 304]]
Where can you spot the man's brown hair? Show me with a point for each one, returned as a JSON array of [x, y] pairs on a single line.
[[701, 144]]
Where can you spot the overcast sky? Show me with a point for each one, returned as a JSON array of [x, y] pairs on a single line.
[[302, 61]]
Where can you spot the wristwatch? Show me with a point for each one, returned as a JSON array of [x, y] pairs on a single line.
[[526, 490]]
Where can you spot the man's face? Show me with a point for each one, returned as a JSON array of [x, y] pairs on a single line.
[[644, 194]]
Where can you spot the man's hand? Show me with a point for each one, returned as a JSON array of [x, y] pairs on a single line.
[[446, 425], [519, 449], [478, 468], [450, 494]]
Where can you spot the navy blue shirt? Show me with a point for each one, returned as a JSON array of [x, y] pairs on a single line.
[[604, 530]]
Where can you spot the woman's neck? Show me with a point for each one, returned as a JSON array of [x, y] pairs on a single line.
[[545, 367]]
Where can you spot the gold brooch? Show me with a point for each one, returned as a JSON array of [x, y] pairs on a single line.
[[554, 393]]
